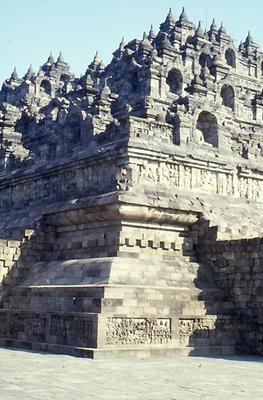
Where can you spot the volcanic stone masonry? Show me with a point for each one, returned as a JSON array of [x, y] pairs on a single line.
[[131, 200]]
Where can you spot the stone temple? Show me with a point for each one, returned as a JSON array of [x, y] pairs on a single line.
[[131, 199]]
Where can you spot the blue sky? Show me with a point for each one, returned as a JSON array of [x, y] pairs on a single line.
[[30, 29]]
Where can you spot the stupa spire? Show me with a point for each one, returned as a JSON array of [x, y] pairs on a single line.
[[199, 31], [14, 75], [183, 16], [151, 34], [170, 17], [222, 28], [60, 58], [213, 26], [50, 59], [30, 72], [169, 22]]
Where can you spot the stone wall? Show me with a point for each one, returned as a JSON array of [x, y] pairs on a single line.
[[56, 182], [238, 270], [199, 175], [17, 256], [10, 251]]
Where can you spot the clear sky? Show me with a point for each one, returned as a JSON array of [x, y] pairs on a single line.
[[30, 29]]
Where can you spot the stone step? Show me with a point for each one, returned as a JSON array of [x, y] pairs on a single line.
[[108, 353], [126, 304], [117, 298], [119, 291], [88, 289], [60, 290], [125, 271]]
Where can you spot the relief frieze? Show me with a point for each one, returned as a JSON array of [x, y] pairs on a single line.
[[138, 331]]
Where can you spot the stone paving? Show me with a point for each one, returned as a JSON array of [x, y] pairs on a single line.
[[33, 376]]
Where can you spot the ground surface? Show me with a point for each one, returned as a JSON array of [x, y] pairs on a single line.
[[27, 376]]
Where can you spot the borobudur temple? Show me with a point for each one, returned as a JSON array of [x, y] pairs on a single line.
[[131, 200]]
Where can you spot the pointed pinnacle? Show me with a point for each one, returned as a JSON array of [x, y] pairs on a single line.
[[60, 58], [199, 30], [14, 74], [97, 62], [30, 70], [183, 16], [145, 41], [97, 58], [122, 44], [50, 59], [170, 17], [213, 25], [222, 28], [151, 34], [249, 38]]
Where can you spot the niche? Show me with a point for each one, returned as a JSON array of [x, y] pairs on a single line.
[[205, 60], [175, 81], [46, 87], [134, 80], [73, 129], [230, 58], [22, 125], [176, 130], [208, 126], [228, 96]]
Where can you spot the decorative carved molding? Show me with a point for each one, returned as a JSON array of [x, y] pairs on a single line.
[[202, 328], [138, 331]]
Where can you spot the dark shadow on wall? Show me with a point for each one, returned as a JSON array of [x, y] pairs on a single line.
[[236, 267], [18, 255], [210, 327]]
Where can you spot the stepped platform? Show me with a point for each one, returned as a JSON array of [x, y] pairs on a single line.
[[119, 307]]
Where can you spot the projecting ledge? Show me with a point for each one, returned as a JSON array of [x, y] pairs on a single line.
[[121, 211]]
